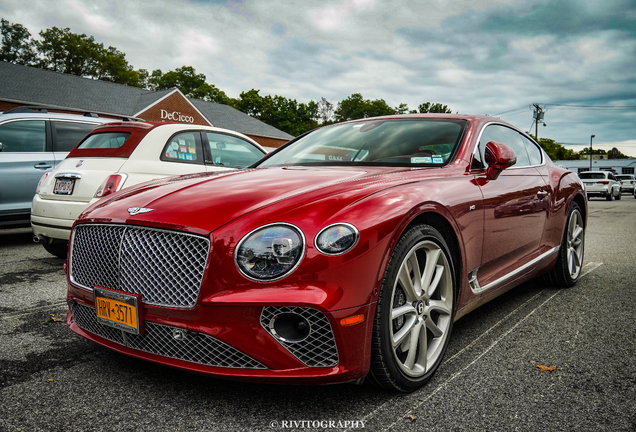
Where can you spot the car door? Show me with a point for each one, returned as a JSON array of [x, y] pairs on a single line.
[[66, 134], [515, 209], [226, 151], [616, 186], [26, 155]]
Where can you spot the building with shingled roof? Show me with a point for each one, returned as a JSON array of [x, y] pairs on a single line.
[[29, 86]]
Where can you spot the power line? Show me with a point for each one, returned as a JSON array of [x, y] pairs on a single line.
[[587, 107], [524, 108]]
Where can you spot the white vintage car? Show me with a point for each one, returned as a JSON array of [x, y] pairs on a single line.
[[118, 155]]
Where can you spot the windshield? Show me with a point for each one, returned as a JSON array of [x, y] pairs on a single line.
[[104, 140], [623, 177], [395, 142]]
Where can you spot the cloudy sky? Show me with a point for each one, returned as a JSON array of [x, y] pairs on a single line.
[[576, 58]]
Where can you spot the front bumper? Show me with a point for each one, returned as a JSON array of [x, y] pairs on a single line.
[[232, 342]]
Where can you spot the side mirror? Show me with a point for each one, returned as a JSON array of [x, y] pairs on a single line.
[[498, 157]]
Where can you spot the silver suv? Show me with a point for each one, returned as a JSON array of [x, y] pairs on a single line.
[[32, 142]]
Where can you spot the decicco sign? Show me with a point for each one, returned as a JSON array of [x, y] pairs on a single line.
[[176, 116]]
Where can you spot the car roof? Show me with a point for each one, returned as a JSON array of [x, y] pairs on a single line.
[[53, 116], [176, 126]]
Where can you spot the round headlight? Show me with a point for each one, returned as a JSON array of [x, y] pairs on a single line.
[[270, 253], [337, 239]]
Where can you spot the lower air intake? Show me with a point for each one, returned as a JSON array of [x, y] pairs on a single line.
[[318, 348], [159, 339]]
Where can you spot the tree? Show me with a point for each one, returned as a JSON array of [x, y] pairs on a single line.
[[428, 107], [557, 151], [403, 109], [61, 50], [356, 107], [112, 66], [285, 114], [66, 52], [325, 111], [17, 45], [191, 84]]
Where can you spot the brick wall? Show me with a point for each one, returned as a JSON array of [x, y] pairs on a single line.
[[268, 142], [174, 108]]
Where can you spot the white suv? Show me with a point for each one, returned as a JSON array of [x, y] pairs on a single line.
[[627, 182], [601, 183]]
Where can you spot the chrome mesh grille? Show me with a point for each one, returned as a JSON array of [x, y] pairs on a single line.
[[158, 339], [319, 348], [165, 267], [86, 318]]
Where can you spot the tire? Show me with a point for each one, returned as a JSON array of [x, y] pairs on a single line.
[[567, 269], [59, 249], [610, 196], [618, 197], [412, 326]]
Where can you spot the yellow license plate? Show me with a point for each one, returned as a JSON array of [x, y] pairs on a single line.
[[117, 310]]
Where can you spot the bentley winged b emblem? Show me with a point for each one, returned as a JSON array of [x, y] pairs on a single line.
[[136, 210]]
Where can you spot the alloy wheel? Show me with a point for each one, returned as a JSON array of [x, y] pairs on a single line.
[[421, 313]]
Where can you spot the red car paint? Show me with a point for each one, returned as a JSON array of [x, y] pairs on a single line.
[[497, 226]]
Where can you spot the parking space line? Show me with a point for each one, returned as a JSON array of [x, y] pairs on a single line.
[[587, 268]]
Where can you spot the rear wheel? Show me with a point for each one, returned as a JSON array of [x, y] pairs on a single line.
[[415, 311], [618, 197], [610, 196], [59, 249], [567, 270]]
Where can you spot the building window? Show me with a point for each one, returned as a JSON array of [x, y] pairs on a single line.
[[628, 170]]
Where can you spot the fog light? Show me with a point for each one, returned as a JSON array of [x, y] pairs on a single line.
[[290, 327]]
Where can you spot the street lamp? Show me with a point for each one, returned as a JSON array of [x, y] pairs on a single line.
[[591, 136]]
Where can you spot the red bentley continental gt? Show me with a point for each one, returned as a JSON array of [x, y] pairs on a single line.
[[347, 253]]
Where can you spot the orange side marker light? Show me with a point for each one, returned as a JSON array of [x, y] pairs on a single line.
[[355, 319]]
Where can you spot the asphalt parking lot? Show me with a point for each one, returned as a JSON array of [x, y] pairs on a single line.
[[52, 380]]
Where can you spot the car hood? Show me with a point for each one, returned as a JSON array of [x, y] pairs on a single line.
[[205, 202]]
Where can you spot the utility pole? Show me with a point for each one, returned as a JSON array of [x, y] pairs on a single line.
[[538, 117], [591, 136]]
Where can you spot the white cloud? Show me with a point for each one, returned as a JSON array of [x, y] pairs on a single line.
[[464, 53]]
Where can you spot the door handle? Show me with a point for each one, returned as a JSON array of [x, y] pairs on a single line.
[[42, 165], [542, 194]]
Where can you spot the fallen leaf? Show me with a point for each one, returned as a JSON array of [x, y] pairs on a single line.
[[53, 318], [50, 379], [544, 368], [412, 417]]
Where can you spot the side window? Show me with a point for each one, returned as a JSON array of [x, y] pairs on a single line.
[[507, 136], [534, 152], [184, 147], [68, 134], [25, 136], [611, 176], [228, 150]]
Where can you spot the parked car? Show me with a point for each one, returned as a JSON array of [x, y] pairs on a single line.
[[626, 181], [348, 252], [32, 142], [119, 155], [601, 183]]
